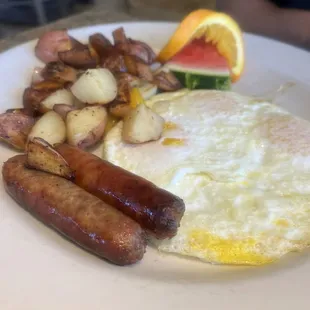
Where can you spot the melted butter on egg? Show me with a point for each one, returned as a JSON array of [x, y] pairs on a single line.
[[173, 141], [281, 223], [170, 126], [226, 251]]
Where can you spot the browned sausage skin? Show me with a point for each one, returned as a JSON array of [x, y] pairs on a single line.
[[155, 209], [75, 213]]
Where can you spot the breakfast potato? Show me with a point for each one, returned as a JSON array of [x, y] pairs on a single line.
[[139, 50], [142, 125], [127, 81], [42, 156], [60, 96], [46, 85], [111, 122], [131, 97], [114, 62], [50, 127], [86, 127], [76, 43], [100, 44], [79, 58], [166, 81], [147, 90], [79, 104], [63, 109], [124, 82], [95, 86], [52, 42], [32, 99], [119, 36], [138, 68], [15, 127], [119, 109], [34, 95], [58, 71]]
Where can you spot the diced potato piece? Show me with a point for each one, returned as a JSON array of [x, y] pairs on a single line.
[[142, 125], [32, 99], [95, 86], [50, 127], [79, 58], [86, 127], [111, 122], [119, 109], [147, 90], [167, 81], [15, 127], [50, 43], [61, 96], [79, 104], [63, 109], [42, 156], [47, 85], [100, 43], [58, 71], [76, 43]]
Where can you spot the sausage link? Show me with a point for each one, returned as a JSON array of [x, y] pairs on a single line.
[[80, 216], [155, 209]]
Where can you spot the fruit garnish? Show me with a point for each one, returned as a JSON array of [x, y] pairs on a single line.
[[217, 28]]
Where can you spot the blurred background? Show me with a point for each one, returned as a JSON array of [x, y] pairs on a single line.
[[20, 15]]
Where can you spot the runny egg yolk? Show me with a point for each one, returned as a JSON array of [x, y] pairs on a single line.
[[173, 141], [170, 126], [226, 251], [281, 223]]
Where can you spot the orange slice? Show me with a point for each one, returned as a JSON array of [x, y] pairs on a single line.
[[217, 28]]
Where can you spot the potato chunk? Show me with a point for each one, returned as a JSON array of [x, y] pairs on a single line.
[[60, 96], [42, 156], [50, 127], [95, 86], [142, 125], [15, 127], [86, 127]]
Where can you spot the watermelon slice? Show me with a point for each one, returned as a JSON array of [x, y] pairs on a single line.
[[200, 66]]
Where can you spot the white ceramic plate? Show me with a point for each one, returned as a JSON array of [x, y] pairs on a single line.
[[39, 270]]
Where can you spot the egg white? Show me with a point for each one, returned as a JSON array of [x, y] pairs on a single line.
[[242, 168]]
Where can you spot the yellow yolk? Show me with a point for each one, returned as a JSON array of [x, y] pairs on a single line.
[[170, 126], [226, 251], [173, 141]]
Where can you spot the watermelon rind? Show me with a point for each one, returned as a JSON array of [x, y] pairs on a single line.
[[192, 80]]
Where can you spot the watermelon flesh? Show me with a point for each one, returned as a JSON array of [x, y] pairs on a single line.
[[200, 66]]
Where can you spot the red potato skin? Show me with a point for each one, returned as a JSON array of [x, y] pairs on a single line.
[[78, 215], [141, 50], [15, 127], [156, 210], [52, 42]]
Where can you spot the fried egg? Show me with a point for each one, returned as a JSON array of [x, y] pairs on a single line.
[[242, 168]]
